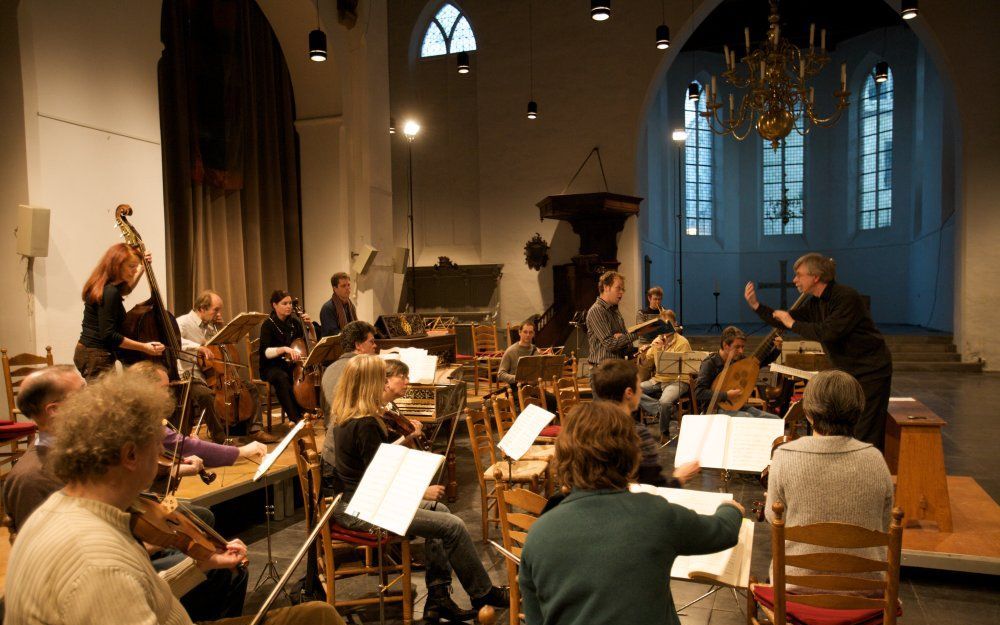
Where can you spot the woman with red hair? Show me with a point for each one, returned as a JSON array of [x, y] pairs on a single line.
[[101, 338]]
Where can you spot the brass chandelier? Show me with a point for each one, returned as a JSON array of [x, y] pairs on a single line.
[[777, 98]]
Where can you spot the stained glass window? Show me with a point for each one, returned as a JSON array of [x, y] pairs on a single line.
[[875, 155], [698, 169], [782, 174], [448, 32]]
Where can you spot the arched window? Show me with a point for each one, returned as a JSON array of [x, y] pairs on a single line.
[[875, 154], [448, 32], [698, 169], [782, 173]]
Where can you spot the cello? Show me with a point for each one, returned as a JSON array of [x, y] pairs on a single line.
[[743, 373], [149, 320], [234, 401], [305, 380]]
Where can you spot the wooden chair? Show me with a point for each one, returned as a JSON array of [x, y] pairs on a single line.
[[504, 416], [16, 368], [486, 355], [336, 542], [567, 395], [253, 366], [531, 394], [832, 535], [519, 509], [533, 472]]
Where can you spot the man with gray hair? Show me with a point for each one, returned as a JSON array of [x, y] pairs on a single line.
[[837, 317]]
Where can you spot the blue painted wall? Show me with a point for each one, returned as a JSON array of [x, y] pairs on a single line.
[[907, 268]]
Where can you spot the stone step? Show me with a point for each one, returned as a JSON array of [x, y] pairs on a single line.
[[903, 348], [939, 367], [926, 357], [909, 339]]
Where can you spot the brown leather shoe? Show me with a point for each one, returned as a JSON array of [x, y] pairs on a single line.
[[261, 436]]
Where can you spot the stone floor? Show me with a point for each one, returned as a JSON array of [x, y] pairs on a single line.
[[928, 596]]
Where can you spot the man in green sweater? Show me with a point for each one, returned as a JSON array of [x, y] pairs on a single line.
[[603, 556]]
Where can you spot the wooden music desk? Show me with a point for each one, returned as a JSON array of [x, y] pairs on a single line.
[[915, 455]]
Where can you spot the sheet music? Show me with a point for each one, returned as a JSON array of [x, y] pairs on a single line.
[[750, 441], [729, 566], [422, 364], [902, 399], [268, 460], [702, 438], [527, 426], [792, 371], [407, 490], [376, 481]]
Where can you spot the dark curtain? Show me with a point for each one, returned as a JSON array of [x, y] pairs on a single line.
[[230, 158]]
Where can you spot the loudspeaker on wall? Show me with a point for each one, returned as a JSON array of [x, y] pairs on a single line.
[[32, 231]]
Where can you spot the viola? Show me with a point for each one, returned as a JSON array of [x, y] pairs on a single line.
[[170, 525], [165, 464]]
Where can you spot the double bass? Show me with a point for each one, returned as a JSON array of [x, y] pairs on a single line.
[[742, 374], [149, 320]]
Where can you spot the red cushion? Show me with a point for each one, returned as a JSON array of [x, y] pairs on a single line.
[[550, 430], [366, 539], [9, 431], [801, 614]]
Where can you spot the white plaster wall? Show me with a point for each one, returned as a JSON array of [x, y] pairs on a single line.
[[92, 133]]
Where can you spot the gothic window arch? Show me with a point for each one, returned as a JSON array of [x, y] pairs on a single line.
[[699, 169], [448, 32], [875, 154]]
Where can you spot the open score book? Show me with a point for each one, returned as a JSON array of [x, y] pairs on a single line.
[[718, 441], [393, 486], [730, 567]]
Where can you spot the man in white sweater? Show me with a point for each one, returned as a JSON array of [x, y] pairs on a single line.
[[76, 560]]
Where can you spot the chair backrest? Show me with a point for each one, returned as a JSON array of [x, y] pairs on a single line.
[[253, 356], [531, 394], [518, 508], [309, 465], [567, 395], [484, 339], [569, 366], [838, 536], [503, 412], [16, 368], [481, 440]]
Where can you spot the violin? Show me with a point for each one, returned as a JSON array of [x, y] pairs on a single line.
[[401, 426], [170, 525], [166, 462]]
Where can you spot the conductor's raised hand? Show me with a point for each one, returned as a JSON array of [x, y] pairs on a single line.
[[750, 295]]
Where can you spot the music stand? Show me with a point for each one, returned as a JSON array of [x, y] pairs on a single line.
[[679, 363], [327, 349], [532, 368], [270, 571], [238, 327]]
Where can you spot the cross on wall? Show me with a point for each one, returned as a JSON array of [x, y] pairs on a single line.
[[782, 283]]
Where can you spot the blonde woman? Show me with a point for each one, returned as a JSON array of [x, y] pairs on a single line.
[[359, 431]]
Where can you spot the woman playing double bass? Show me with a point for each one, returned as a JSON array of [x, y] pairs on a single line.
[[101, 338], [277, 356]]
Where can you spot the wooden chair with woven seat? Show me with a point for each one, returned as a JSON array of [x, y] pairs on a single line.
[[831, 575], [486, 355], [16, 368], [337, 543], [504, 416], [253, 366], [531, 472], [519, 509]]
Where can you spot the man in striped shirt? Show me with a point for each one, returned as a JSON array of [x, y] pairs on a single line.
[[607, 335]]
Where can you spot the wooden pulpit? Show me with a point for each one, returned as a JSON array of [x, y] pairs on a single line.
[[915, 455]]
